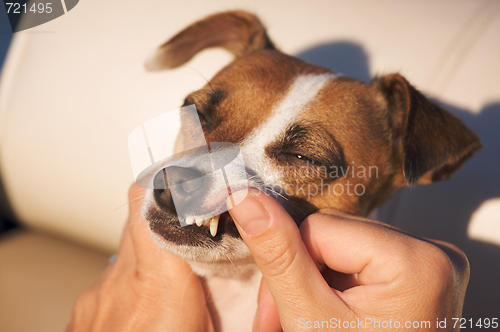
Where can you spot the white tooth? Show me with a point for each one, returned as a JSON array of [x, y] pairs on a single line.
[[214, 223], [199, 221], [189, 220]]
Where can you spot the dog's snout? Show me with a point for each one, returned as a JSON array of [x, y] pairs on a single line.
[[181, 182]]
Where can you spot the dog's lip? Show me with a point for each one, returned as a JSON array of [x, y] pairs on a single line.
[[169, 227], [219, 206], [218, 200], [193, 235]]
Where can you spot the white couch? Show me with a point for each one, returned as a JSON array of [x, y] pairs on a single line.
[[73, 89]]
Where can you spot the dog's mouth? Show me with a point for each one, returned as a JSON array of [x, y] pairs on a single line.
[[211, 223], [195, 231], [209, 229], [218, 225]]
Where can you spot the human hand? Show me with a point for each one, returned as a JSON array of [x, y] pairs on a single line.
[[341, 268], [146, 289]]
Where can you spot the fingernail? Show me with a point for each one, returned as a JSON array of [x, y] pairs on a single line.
[[250, 214]]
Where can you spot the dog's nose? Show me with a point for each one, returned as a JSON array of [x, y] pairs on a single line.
[[181, 182]]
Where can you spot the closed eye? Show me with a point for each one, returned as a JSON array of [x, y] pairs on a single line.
[[305, 158], [307, 144], [301, 158]]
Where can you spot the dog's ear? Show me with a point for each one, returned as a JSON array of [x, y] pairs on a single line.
[[433, 142], [237, 31]]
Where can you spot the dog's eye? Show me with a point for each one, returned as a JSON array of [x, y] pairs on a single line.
[[306, 159]]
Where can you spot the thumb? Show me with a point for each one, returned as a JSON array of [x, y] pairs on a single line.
[[276, 245], [266, 318]]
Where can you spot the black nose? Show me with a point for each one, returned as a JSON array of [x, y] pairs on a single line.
[[183, 184]]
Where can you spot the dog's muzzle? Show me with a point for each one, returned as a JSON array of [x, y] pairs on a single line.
[[195, 196], [188, 186], [186, 189]]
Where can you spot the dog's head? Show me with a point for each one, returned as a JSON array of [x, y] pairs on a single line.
[[313, 138]]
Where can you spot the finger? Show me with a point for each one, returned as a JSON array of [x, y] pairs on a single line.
[[267, 318], [84, 310], [276, 245], [339, 281], [126, 252], [136, 233], [377, 257], [138, 237]]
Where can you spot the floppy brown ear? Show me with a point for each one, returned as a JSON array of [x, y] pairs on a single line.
[[433, 142], [237, 31]]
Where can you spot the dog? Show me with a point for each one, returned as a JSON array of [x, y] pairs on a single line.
[[297, 126]]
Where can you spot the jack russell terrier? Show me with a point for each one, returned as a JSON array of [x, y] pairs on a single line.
[[351, 145]]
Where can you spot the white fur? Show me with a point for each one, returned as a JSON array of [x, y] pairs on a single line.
[[302, 91], [235, 301]]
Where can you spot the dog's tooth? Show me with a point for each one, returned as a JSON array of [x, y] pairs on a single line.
[[189, 220], [199, 221], [214, 224]]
